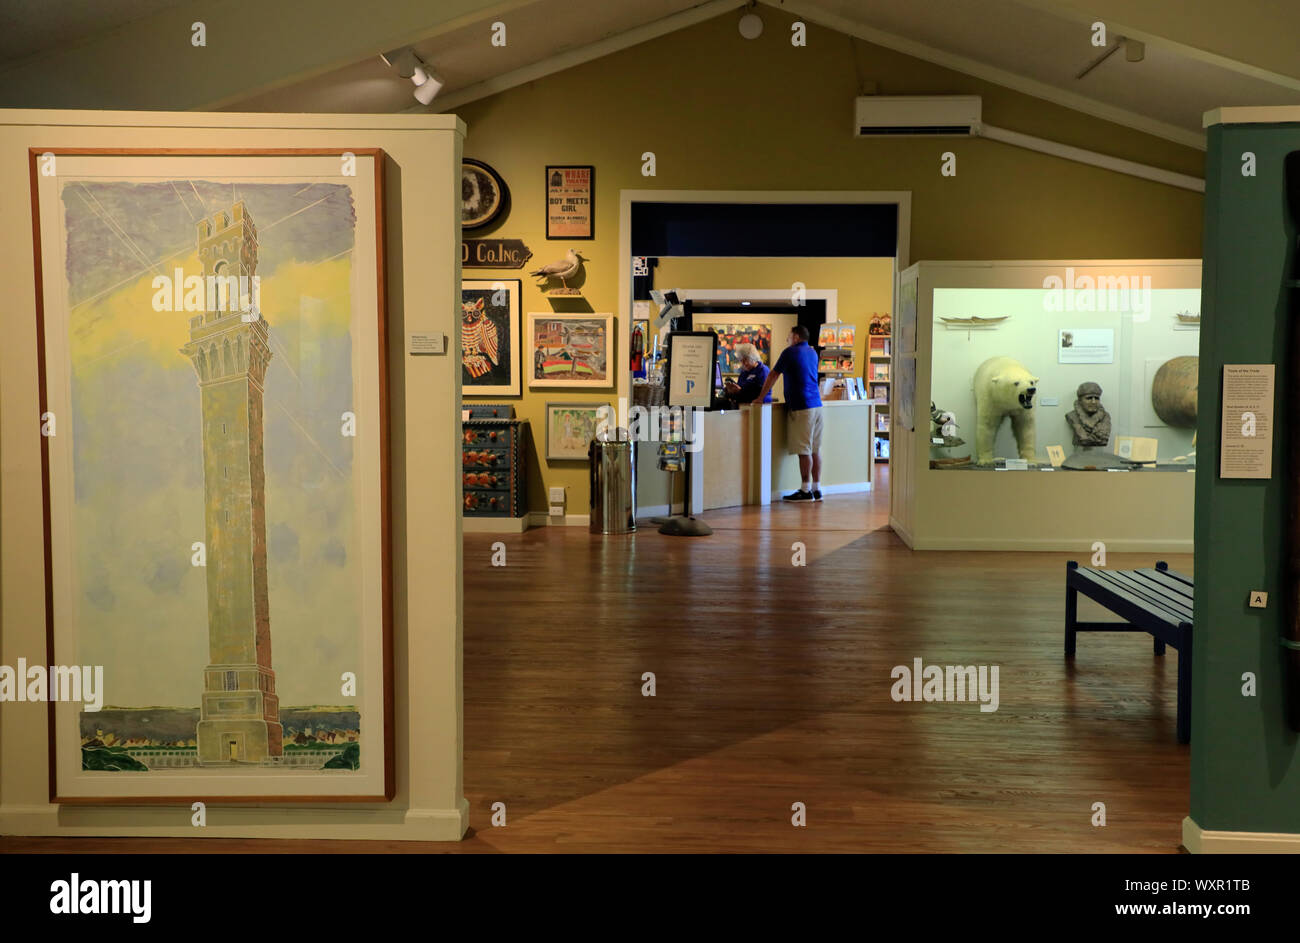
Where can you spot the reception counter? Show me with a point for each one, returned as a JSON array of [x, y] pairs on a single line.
[[743, 458]]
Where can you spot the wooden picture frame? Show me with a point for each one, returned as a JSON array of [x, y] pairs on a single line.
[[491, 337], [560, 448], [258, 393], [570, 350], [568, 185]]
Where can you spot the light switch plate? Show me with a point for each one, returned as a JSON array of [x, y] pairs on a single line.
[[1258, 599], [557, 495]]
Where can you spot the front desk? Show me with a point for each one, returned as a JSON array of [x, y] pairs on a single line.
[[743, 459]]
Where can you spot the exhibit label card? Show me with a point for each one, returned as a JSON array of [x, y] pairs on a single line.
[[1086, 345], [1246, 449]]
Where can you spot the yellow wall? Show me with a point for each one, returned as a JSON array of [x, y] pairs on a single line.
[[423, 290], [723, 113]]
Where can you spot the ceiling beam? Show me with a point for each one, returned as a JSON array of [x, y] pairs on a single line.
[[1258, 38], [809, 10], [252, 46], [574, 57]]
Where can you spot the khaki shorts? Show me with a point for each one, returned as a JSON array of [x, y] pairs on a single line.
[[804, 431]]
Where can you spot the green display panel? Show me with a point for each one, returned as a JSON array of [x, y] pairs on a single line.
[[1245, 773]]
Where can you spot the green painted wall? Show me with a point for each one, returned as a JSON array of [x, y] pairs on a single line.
[[1245, 774]]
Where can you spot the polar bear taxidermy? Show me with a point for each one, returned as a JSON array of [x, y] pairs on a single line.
[[1003, 387]]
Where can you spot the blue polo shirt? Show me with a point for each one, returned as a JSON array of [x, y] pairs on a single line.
[[798, 364], [751, 384]]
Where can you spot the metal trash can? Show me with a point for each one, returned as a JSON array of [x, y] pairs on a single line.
[[613, 483]]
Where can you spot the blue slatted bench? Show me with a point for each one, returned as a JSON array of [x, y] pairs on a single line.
[[1157, 601]]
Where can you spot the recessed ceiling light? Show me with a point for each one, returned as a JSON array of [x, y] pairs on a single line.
[[751, 26]]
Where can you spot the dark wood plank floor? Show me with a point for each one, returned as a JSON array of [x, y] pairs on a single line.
[[773, 687]]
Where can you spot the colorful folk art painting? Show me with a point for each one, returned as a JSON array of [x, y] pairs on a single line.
[[489, 337], [570, 350], [212, 350], [732, 335]]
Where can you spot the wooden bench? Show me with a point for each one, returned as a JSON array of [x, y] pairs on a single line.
[[1157, 601]]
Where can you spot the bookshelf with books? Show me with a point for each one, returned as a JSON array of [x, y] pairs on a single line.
[[877, 374]]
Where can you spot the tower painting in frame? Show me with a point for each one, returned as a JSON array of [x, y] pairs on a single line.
[[489, 337], [570, 350], [212, 341]]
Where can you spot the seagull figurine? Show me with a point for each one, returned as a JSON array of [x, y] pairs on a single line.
[[564, 269]]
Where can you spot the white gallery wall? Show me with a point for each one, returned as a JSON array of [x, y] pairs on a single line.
[[422, 233]]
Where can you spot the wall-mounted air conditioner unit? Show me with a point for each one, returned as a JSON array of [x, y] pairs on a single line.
[[916, 116]]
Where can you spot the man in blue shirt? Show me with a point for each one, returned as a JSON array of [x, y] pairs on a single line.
[[803, 410], [753, 374]]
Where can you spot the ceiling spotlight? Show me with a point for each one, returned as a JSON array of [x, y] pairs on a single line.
[[751, 26], [427, 85], [1134, 51], [410, 66]]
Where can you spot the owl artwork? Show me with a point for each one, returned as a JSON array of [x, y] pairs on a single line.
[[478, 340]]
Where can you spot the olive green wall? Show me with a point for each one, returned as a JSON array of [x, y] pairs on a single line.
[[1245, 775], [724, 113]]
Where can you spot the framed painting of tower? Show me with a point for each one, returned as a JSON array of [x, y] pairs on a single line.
[[215, 447]]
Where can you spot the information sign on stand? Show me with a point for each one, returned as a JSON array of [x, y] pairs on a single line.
[[691, 359]]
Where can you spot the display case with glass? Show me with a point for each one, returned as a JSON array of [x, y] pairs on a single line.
[[1082, 372]]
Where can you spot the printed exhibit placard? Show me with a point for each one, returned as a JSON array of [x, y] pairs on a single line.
[[1246, 443], [1086, 345], [570, 202]]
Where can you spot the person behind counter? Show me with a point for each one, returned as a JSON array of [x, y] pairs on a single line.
[[753, 374]]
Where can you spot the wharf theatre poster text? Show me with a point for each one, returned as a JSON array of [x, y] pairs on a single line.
[[569, 202]]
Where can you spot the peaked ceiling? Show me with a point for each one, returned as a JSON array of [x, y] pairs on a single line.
[[1199, 54]]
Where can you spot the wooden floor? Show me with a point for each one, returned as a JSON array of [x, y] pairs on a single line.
[[773, 687]]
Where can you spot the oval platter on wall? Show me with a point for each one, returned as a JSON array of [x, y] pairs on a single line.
[[483, 194]]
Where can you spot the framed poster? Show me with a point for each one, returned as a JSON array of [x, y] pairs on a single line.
[[570, 427], [483, 194], [573, 350], [906, 387], [570, 201], [225, 563], [692, 361], [732, 335], [489, 337]]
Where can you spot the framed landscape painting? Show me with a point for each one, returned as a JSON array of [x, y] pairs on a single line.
[[570, 350], [570, 427], [212, 346], [489, 337]]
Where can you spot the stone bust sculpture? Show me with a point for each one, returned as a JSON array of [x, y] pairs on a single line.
[[1089, 421]]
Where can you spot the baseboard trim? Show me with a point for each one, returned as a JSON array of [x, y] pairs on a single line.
[[657, 510], [165, 822], [903, 533], [852, 487], [495, 525], [544, 519], [1050, 544], [1201, 841]]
